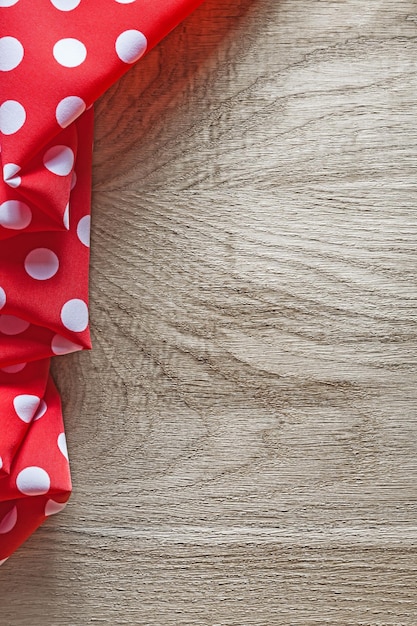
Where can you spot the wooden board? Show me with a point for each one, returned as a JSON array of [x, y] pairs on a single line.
[[243, 436]]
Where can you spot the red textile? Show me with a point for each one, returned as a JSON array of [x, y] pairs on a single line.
[[56, 58]]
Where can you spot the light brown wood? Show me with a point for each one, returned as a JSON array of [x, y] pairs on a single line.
[[243, 436]]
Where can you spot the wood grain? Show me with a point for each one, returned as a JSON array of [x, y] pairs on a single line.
[[243, 434]]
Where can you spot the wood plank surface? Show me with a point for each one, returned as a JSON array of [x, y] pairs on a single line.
[[243, 435]]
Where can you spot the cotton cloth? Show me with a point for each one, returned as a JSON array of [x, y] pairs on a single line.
[[56, 58]]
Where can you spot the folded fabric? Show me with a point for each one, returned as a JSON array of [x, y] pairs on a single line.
[[56, 58]]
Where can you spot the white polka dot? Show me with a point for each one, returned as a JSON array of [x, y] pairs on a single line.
[[65, 5], [74, 315], [3, 561], [8, 3], [12, 117], [62, 445], [26, 406], [41, 264], [73, 180], [1, 462], [10, 171], [65, 217], [131, 45], [11, 53], [14, 369], [68, 110], [52, 507], [11, 325], [15, 214], [61, 345], [2, 297], [59, 160], [33, 481], [9, 521], [70, 52], [125, 1], [83, 230]]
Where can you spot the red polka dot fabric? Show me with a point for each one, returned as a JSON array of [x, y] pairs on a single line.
[[56, 58]]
